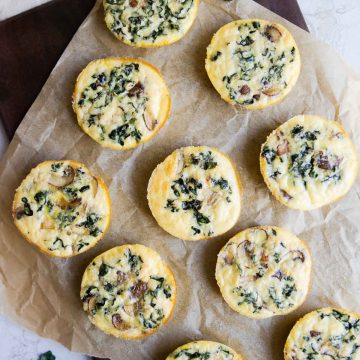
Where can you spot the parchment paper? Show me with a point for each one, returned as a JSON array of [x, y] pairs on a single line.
[[42, 293]]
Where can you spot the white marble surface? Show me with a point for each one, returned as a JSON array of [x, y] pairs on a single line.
[[334, 21]]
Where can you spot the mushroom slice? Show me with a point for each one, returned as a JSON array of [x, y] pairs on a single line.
[[283, 148], [272, 91], [149, 120], [75, 229], [244, 90], [119, 323], [92, 304], [136, 90], [120, 276], [299, 255], [64, 180], [285, 195], [213, 199], [180, 159], [278, 275], [64, 204], [129, 309], [94, 186], [19, 212], [273, 33], [47, 224], [247, 247], [139, 289], [229, 260]]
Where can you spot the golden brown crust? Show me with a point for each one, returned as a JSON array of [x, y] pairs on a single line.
[[47, 251], [155, 264], [210, 348], [271, 99], [165, 42], [165, 116], [162, 178], [260, 315], [300, 327], [276, 194]]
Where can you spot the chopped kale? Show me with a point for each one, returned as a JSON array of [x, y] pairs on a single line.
[[104, 269], [216, 56], [204, 160], [268, 154], [56, 166], [47, 356]]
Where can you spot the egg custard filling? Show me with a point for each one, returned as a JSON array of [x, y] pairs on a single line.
[[253, 63], [308, 162], [195, 193], [128, 291], [207, 350], [325, 334], [264, 271], [61, 208], [150, 23], [121, 102]]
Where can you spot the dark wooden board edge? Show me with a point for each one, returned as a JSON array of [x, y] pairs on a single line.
[[31, 43]]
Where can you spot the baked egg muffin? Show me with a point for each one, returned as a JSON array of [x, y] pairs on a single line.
[[144, 23], [325, 334], [264, 271], [253, 63], [194, 193], [128, 292], [121, 102], [62, 208], [208, 350], [308, 162]]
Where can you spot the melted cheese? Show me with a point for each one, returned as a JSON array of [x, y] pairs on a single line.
[[61, 208], [253, 63], [128, 291], [264, 271], [208, 350], [195, 193], [308, 162], [325, 334], [145, 23], [121, 102]]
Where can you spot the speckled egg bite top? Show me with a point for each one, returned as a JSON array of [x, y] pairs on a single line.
[[195, 193], [308, 162], [145, 23], [253, 63], [324, 334], [204, 350], [128, 291], [121, 102], [61, 208], [264, 271]]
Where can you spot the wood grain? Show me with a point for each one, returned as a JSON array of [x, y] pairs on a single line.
[[31, 44]]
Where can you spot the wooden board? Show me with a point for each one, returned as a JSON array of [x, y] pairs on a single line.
[[31, 44]]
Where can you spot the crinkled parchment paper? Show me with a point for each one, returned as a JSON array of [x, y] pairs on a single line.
[[42, 293]]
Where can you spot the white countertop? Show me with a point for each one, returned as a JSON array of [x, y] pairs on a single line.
[[334, 21]]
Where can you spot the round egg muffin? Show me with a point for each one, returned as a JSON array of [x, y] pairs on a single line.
[[194, 193], [325, 334], [121, 102], [253, 63], [128, 292], [308, 162], [61, 208], [147, 24], [264, 271], [208, 350]]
